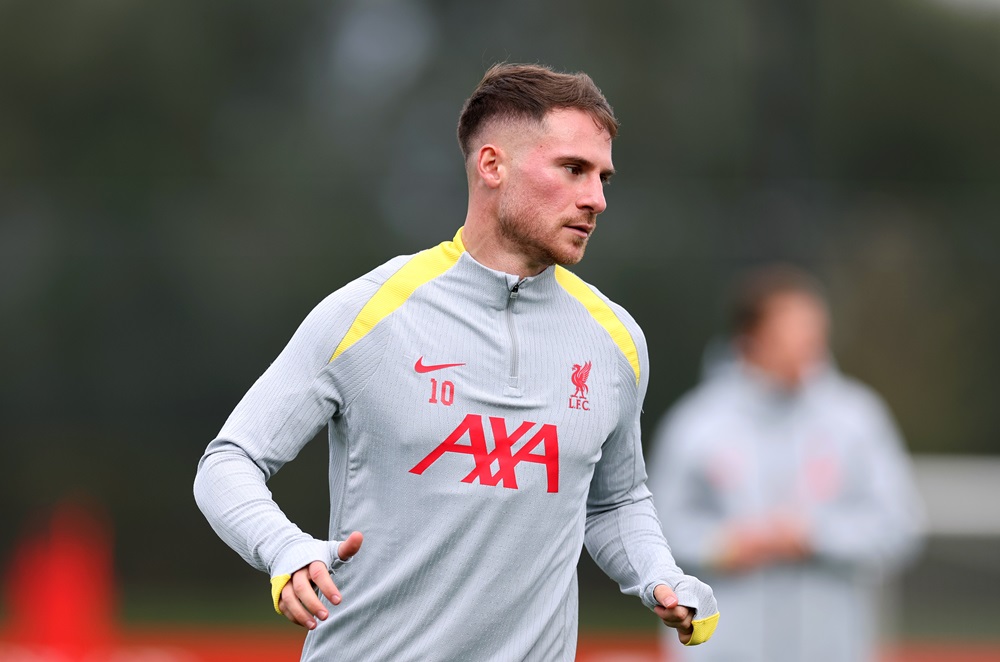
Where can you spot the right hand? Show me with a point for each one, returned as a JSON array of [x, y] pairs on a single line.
[[673, 614], [299, 601]]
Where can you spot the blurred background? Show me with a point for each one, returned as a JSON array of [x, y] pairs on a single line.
[[181, 182]]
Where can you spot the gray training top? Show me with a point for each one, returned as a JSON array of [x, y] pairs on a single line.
[[481, 429], [740, 449]]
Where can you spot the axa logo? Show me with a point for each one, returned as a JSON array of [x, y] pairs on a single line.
[[545, 438], [579, 378]]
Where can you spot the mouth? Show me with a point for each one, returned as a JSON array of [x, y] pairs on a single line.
[[581, 229]]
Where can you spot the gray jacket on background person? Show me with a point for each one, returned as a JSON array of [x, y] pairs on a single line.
[[739, 448]]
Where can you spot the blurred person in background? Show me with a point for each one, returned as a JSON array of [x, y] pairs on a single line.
[[483, 412], [785, 485]]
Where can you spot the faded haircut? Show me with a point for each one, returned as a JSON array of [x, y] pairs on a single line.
[[530, 91]]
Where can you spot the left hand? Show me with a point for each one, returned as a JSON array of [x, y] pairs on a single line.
[[673, 614]]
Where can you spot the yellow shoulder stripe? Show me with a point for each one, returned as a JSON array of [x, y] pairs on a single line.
[[421, 268], [602, 313]]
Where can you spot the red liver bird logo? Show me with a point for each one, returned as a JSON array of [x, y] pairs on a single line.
[[580, 374]]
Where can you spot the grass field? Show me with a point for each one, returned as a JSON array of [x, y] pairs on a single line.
[[228, 644], [187, 624]]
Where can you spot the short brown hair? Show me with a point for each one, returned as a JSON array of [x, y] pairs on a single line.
[[755, 289], [530, 91]]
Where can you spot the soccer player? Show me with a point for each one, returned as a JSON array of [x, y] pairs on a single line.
[[483, 412], [789, 487]]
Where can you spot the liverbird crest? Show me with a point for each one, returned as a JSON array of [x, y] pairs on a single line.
[[579, 378]]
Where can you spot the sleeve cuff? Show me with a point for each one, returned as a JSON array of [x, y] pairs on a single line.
[[278, 583], [299, 556], [704, 628], [697, 596]]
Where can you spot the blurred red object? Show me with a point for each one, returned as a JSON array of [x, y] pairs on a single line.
[[59, 586]]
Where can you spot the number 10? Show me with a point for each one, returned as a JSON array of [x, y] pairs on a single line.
[[447, 393]]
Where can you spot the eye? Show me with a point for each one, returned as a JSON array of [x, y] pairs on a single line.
[[573, 169]]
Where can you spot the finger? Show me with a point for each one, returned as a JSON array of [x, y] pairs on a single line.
[[305, 594], [305, 588], [350, 547], [665, 596], [319, 574], [678, 615], [684, 627], [292, 608], [678, 618]]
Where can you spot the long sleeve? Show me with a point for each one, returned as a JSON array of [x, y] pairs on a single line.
[[287, 406], [691, 515], [458, 448], [623, 533], [716, 463], [879, 522]]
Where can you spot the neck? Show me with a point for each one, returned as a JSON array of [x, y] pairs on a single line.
[[484, 242], [787, 379]]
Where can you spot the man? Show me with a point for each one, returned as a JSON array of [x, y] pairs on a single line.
[[483, 410], [790, 485]]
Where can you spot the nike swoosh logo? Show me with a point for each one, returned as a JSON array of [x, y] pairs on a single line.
[[421, 368]]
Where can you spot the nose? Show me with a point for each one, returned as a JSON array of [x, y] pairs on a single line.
[[592, 196]]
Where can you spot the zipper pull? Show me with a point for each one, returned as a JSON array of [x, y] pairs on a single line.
[[513, 291]]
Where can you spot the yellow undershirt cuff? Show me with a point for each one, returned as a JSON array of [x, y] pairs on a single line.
[[703, 629], [278, 583]]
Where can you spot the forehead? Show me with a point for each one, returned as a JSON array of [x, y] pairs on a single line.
[[793, 304], [574, 131]]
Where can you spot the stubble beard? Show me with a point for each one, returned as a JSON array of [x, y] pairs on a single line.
[[522, 229]]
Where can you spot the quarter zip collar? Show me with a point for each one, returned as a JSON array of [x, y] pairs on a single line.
[[494, 287], [508, 294], [530, 287]]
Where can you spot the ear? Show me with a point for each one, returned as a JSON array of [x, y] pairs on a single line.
[[489, 165]]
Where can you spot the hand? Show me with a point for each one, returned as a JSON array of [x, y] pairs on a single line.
[[774, 539], [299, 601], [790, 537], [744, 546], [673, 614]]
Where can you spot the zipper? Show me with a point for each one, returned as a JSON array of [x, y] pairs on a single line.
[[512, 387]]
